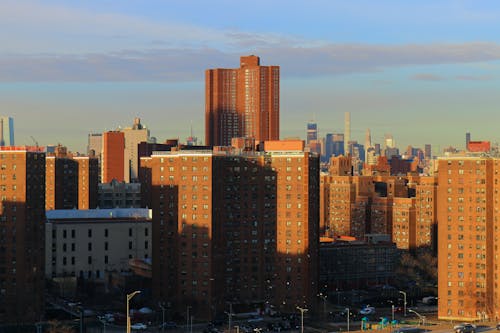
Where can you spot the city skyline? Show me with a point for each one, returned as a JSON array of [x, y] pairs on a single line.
[[426, 72]]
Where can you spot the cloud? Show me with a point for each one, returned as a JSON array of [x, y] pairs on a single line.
[[474, 77], [189, 63], [427, 77]]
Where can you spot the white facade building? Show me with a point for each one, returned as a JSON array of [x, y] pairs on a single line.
[[91, 243]]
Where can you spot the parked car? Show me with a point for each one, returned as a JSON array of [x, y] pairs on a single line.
[[369, 310], [168, 325], [498, 327], [138, 326], [465, 328]]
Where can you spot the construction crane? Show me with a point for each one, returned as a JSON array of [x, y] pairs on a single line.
[[36, 142]]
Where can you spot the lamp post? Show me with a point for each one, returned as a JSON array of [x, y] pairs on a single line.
[[302, 310], [404, 299], [419, 316], [229, 315], [323, 297], [348, 314], [187, 317], [129, 297], [392, 306], [162, 316]]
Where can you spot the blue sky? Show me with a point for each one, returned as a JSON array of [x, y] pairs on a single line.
[[425, 71]]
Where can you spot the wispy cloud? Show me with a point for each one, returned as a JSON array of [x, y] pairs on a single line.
[[186, 64], [474, 77], [61, 43], [427, 77]]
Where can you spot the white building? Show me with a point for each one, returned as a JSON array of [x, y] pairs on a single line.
[[91, 243]]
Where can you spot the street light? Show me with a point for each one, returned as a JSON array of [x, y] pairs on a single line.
[[419, 316], [392, 306], [404, 305], [348, 313], [162, 316], [187, 317], [129, 297], [323, 297], [302, 310]]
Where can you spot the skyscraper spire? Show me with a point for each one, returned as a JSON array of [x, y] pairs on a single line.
[[347, 132]]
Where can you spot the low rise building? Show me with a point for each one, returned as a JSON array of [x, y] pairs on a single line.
[[89, 244]]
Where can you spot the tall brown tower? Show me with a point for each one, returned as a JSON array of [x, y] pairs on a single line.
[[242, 102], [22, 234]]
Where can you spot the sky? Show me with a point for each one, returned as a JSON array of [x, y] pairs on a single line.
[[425, 71]]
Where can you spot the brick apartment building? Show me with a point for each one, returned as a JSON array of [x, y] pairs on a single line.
[[242, 102], [468, 238], [235, 227], [22, 221]]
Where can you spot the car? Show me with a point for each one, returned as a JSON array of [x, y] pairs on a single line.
[[138, 326], [368, 310], [498, 327], [168, 325], [465, 328]]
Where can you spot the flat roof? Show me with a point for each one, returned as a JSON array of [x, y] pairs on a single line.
[[59, 214]]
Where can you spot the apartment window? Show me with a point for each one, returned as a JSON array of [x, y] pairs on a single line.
[[89, 260], [130, 245], [72, 247], [64, 261], [146, 244], [130, 232], [105, 259], [106, 233], [89, 246], [105, 246], [146, 231], [65, 233], [89, 232], [73, 233], [72, 260], [64, 247]]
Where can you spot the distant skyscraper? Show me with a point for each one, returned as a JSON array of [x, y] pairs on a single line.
[[428, 151], [94, 147], [242, 102], [312, 132], [347, 131], [133, 136], [467, 140], [6, 131]]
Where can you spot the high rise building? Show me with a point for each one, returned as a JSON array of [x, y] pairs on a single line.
[[22, 234], [467, 140], [113, 156], [468, 273], [347, 132], [133, 136], [312, 132], [6, 131], [242, 102], [71, 182], [94, 147], [233, 227], [428, 151]]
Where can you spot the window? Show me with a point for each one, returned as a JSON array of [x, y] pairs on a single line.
[[105, 246], [89, 260], [106, 233], [73, 235], [130, 232], [89, 246], [130, 245], [90, 232], [105, 259], [146, 231], [146, 244], [65, 234]]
